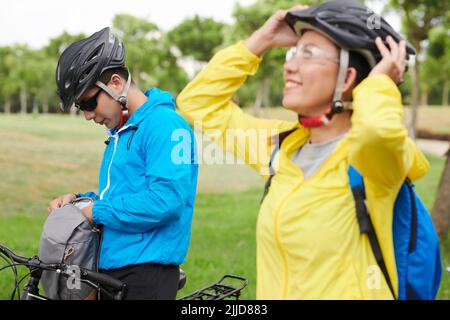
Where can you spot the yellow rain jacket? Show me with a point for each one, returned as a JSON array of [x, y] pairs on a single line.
[[308, 241]]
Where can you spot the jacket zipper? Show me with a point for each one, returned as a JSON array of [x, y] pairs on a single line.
[[277, 240], [100, 229], [116, 141]]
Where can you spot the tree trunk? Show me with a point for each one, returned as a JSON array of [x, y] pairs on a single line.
[[424, 98], [8, 105], [441, 208], [23, 99], [35, 106], [445, 93], [45, 105]]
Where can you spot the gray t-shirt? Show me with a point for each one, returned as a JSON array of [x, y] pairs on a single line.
[[311, 156]]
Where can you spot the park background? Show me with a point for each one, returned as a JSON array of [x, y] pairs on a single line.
[[45, 153]]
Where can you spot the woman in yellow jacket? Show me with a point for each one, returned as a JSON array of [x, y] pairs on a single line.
[[309, 245]]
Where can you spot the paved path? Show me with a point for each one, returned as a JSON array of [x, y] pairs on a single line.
[[434, 147]]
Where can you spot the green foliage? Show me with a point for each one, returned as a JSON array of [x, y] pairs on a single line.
[[436, 66], [247, 20], [58, 44], [154, 56], [149, 56], [31, 72], [6, 54], [197, 37], [419, 18], [141, 41]]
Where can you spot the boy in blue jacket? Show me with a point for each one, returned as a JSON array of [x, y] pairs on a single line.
[[148, 176]]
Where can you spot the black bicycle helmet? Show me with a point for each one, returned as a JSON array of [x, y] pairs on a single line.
[[349, 24], [352, 27], [82, 63]]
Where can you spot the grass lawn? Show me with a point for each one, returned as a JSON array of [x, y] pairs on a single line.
[[42, 157]]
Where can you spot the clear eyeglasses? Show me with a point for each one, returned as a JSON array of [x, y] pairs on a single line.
[[308, 53]]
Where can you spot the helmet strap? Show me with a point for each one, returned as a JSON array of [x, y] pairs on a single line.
[[314, 122], [337, 105], [122, 99]]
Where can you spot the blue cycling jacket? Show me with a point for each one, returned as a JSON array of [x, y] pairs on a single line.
[[147, 187]]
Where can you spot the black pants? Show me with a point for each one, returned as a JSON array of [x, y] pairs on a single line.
[[147, 281]]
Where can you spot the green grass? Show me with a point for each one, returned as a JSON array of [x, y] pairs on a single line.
[[42, 157], [45, 156], [222, 241]]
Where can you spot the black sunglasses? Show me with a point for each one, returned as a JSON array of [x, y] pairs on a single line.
[[90, 104]]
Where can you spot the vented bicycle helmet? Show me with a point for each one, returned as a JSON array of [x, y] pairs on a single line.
[[349, 24], [352, 27], [82, 63]]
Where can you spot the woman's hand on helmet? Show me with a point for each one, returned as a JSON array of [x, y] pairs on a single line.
[[60, 202], [274, 33], [393, 60]]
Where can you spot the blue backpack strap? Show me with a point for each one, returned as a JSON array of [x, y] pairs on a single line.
[[413, 237], [359, 194], [365, 223]]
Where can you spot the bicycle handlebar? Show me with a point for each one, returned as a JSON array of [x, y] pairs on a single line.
[[89, 275], [220, 289], [13, 256], [102, 279]]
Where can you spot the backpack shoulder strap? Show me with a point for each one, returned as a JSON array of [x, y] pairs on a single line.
[[365, 223], [278, 141], [359, 195]]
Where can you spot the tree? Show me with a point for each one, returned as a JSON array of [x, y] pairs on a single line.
[[52, 51], [436, 65], [197, 37], [418, 18], [167, 73], [441, 212], [6, 91], [58, 44], [141, 39], [41, 80], [149, 56], [269, 77], [17, 62], [28, 75]]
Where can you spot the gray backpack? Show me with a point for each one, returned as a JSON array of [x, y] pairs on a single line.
[[69, 238]]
